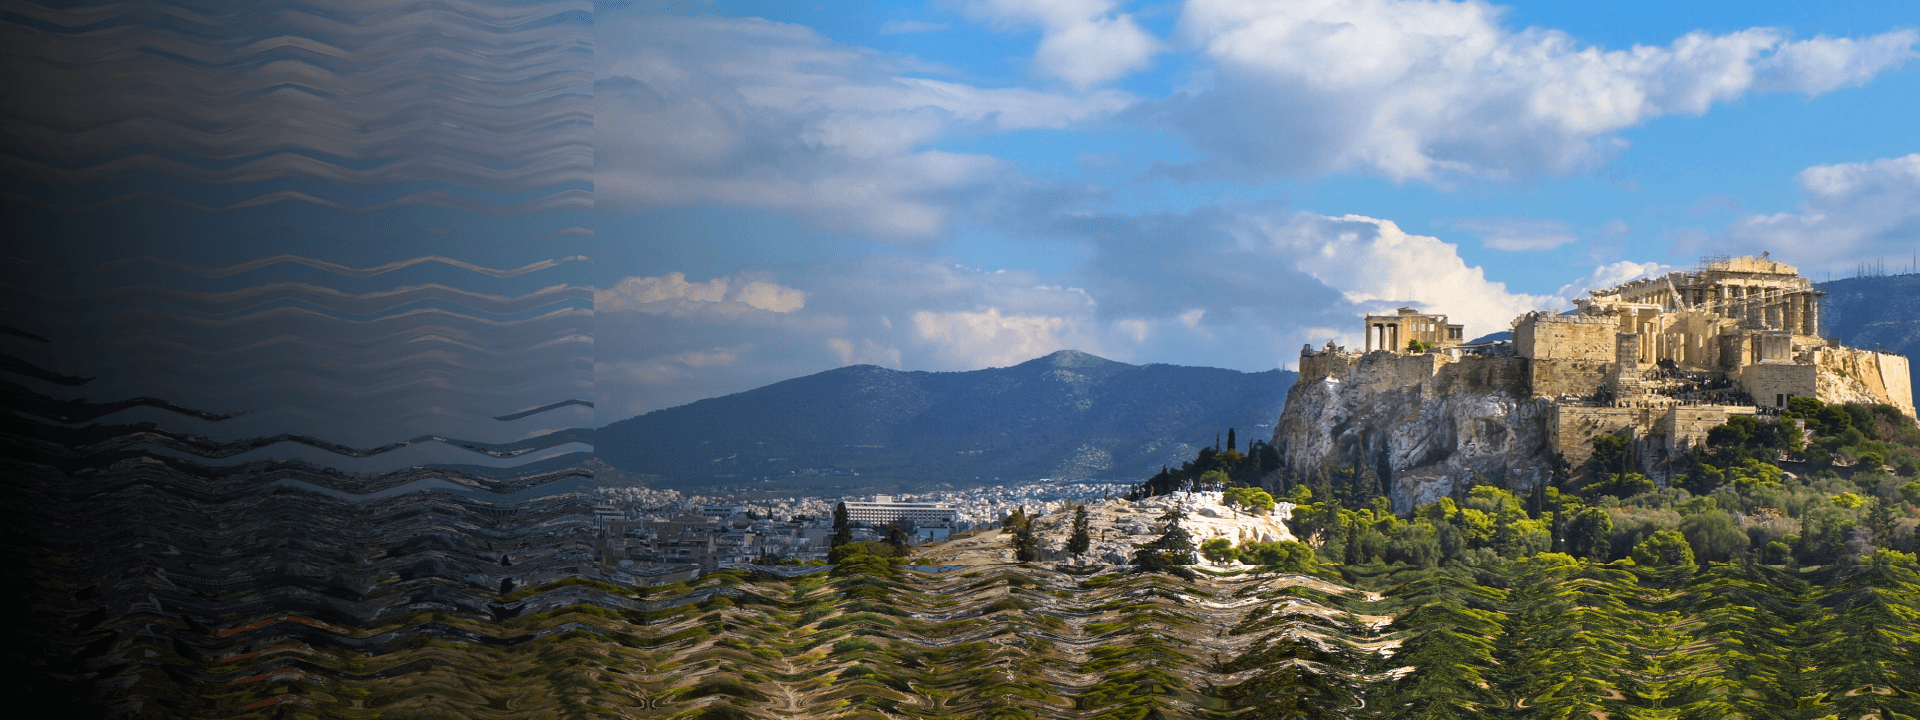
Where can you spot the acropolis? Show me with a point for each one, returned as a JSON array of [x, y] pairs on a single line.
[[1662, 359]]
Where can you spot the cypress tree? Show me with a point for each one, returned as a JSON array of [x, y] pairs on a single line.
[[897, 538], [842, 526]]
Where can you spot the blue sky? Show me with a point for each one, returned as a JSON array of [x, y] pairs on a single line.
[[784, 188]]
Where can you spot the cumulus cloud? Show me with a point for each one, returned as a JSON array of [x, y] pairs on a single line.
[[1417, 90], [1246, 287], [995, 339], [1377, 266], [1852, 213], [1517, 234], [754, 113], [1083, 42], [672, 293], [1609, 275]]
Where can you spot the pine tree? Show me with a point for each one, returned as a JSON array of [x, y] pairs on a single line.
[[1173, 549], [1866, 643], [1230, 439], [1082, 537], [1025, 548]]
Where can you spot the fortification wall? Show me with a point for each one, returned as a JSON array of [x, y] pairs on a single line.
[[1687, 427], [1317, 366], [1897, 378], [1854, 375], [1475, 372], [1381, 371], [1571, 428], [1553, 378], [1565, 337], [1659, 433], [1771, 384]]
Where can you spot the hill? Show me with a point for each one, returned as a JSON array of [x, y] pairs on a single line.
[[1069, 414]]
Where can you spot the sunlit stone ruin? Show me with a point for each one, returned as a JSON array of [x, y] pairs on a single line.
[[1660, 359], [1400, 331]]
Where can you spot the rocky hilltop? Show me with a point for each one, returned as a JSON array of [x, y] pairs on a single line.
[[1425, 423], [1658, 361]]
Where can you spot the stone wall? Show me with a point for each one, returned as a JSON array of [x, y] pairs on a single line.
[[1687, 427], [1565, 337], [1488, 374], [1772, 383], [1380, 371], [1317, 366], [1659, 433], [1898, 381], [1572, 428], [1580, 378], [1372, 372], [1854, 375]]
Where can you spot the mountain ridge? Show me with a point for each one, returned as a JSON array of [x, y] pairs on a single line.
[[1069, 413]]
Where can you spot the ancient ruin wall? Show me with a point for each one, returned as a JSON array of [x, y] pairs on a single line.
[[1385, 371], [1771, 384], [1864, 376], [1580, 378], [1686, 427], [1320, 365], [1565, 337], [1372, 372], [1659, 433]]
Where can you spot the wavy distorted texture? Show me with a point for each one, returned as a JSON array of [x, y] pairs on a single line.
[[271, 252]]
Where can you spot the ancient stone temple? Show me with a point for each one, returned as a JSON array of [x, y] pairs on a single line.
[[1397, 332]]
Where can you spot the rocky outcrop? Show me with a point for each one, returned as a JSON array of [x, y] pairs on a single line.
[[1466, 418]]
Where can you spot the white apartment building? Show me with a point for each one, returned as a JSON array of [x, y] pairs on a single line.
[[882, 510]]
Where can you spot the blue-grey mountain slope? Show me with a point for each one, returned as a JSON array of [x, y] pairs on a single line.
[[1068, 414]]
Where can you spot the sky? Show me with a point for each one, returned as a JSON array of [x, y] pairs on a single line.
[[784, 188]]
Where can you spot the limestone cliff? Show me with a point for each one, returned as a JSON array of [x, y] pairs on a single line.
[[1426, 423]]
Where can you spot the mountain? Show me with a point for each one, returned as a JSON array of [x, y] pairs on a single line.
[[1875, 312], [1069, 414]]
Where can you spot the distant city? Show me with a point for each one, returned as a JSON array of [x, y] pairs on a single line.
[[648, 536]]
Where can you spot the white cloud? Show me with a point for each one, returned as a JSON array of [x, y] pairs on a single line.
[[1517, 234], [1609, 275], [1376, 266], [753, 113], [1082, 41], [992, 339], [892, 27], [772, 298], [672, 293], [1823, 64], [1435, 90], [1853, 213]]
